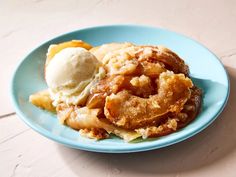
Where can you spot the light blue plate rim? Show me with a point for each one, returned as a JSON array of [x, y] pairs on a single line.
[[97, 148]]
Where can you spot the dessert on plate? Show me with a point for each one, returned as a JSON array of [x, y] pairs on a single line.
[[124, 89]]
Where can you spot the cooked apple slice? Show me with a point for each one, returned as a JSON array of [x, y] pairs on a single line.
[[42, 99]]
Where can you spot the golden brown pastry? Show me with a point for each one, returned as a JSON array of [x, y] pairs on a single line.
[[136, 91]]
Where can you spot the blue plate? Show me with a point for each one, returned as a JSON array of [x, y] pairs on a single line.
[[206, 71]]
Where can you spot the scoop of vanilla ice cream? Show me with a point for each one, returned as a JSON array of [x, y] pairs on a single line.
[[70, 74]]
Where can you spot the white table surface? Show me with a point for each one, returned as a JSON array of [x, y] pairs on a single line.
[[25, 24]]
